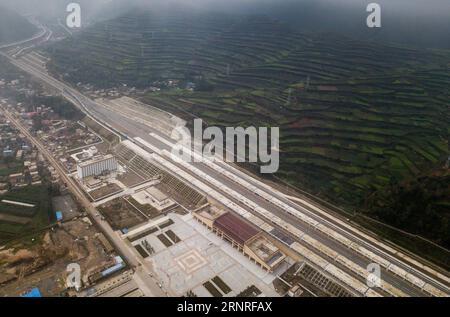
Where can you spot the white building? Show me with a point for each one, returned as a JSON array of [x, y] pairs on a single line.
[[155, 198], [97, 166], [88, 153]]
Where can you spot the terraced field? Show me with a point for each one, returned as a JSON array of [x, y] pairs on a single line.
[[343, 137], [142, 47], [355, 117]]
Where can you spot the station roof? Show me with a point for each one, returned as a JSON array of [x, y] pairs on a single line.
[[235, 227]]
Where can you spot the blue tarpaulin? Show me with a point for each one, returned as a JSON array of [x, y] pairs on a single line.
[[34, 292], [59, 216]]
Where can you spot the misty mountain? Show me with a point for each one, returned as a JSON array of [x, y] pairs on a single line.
[[403, 22], [14, 27], [411, 22]]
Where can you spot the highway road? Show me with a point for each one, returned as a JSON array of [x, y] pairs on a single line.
[[125, 125]]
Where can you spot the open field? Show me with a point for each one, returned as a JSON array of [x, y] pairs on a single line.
[[10, 168], [14, 219], [120, 214], [39, 216]]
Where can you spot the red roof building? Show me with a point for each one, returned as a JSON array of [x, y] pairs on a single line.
[[235, 228], [243, 236]]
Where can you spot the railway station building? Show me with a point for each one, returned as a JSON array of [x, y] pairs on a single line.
[[243, 236]]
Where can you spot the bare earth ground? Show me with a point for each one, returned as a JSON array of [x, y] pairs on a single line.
[[44, 265]]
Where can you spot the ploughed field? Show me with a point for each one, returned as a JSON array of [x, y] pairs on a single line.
[[355, 117]]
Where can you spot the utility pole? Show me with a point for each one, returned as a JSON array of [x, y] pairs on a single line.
[[288, 101]]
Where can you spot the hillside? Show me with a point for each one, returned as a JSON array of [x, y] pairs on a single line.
[[354, 116], [14, 27], [404, 204]]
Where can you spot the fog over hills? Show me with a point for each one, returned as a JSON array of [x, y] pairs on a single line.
[[13, 27], [412, 22]]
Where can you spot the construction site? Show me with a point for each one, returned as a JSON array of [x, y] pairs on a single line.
[[44, 263]]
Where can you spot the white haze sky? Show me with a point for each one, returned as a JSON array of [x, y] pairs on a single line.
[[423, 23], [416, 7]]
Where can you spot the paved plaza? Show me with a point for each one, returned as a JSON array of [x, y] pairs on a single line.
[[199, 257]]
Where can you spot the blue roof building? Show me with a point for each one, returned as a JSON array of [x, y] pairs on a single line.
[[119, 265]]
